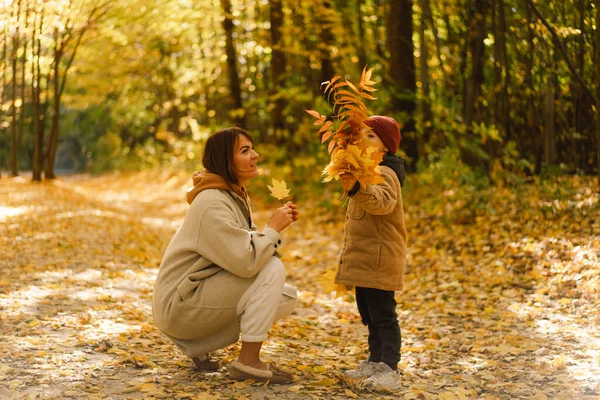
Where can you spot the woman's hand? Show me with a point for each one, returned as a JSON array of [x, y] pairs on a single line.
[[348, 182], [284, 216]]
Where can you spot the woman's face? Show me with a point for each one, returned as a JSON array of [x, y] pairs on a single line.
[[244, 160]]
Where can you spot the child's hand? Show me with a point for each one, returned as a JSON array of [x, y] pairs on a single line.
[[348, 182]]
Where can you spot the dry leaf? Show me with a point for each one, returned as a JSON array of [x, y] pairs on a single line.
[[352, 154], [279, 189]]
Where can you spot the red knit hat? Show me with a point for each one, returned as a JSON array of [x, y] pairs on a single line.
[[387, 129]]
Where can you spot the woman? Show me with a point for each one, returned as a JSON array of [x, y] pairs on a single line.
[[219, 276]]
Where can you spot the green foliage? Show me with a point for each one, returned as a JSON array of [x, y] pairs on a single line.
[[458, 193]]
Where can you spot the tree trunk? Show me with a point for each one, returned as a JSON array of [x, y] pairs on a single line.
[[277, 65], [598, 89], [298, 17], [472, 104], [426, 112], [402, 73], [14, 148], [533, 145], [362, 52], [579, 116], [53, 139], [23, 68], [501, 75], [36, 81], [426, 10], [549, 112], [326, 39], [477, 33], [234, 78], [3, 70]]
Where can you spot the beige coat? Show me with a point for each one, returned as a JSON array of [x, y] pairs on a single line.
[[374, 253], [215, 235]]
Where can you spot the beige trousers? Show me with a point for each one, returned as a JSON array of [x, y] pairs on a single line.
[[229, 305]]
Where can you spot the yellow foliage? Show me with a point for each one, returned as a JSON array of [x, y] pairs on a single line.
[[279, 189], [349, 151]]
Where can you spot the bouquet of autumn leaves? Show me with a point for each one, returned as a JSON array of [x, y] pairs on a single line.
[[346, 129]]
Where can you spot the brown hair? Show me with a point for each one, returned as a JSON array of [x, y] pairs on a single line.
[[219, 151]]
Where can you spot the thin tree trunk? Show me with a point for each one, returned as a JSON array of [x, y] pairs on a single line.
[[549, 125], [426, 9], [326, 38], [24, 67], [477, 29], [531, 116], [4, 70], [234, 78], [362, 52], [598, 90], [14, 148], [561, 47], [426, 112], [500, 93], [402, 73], [380, 13], [472, 107], [36, 165], [59, 85], [580, 104], [53, 140], [277, 65], [504, 97]]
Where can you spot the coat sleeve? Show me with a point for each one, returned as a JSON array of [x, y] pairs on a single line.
[[379, 199], [233, 248]]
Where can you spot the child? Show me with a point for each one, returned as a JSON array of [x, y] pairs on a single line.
[[374, 256]]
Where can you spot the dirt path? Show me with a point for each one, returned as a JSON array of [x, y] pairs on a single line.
[[501, 308]]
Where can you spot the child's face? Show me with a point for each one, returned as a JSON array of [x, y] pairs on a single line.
[[373, 140]]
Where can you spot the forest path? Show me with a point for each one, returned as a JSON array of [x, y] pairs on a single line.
[[502, 307]]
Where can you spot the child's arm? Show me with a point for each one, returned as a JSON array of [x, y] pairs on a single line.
[[379, 199]]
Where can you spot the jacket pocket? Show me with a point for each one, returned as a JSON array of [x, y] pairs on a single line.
[[356, 212], [190, 285]]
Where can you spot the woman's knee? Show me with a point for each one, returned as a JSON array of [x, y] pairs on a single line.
[[273, 271]]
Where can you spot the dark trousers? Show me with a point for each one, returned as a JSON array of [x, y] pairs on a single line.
[[377, 309]]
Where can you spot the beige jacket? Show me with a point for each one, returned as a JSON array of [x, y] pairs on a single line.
[[374, 253], [215, 235]]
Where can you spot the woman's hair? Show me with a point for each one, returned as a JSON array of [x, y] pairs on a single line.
[[219, 151]]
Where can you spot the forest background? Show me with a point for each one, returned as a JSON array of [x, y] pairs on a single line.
[[498, 102], [486, 91]]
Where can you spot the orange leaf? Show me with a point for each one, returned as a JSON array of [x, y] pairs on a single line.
[[325, 137], [331, 145], [325, 127], [314, 113], [368, 96], [353, 87], [329, 83], [320, 121]]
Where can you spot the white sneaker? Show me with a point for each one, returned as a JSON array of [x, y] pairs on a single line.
[[364, 370], [384, 378]]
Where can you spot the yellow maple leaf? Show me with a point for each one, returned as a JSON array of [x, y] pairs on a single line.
[[279, 189], [327, 280]]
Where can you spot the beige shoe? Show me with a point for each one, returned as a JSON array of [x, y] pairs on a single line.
[[364, 370], [385, 379], [206, 364], [241, 372]]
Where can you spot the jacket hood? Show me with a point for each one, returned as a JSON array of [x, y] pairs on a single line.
[[396, 164], [203, 180]]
